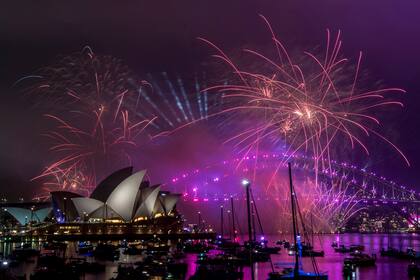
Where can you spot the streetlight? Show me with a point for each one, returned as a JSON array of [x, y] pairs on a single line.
[[247, 185], [245, 182]]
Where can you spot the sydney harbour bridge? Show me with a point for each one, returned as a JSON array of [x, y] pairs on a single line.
[[350, 184], [339, 189]]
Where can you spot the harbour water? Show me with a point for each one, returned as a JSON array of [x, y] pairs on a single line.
[[331, 263]]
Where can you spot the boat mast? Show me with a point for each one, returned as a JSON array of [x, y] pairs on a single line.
[[233, 219], [254, 231], [312, 230], [248, 211], [247, 185], [221, 222], [292, 199]]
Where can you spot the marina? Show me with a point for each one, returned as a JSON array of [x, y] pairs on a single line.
[[332, 262]]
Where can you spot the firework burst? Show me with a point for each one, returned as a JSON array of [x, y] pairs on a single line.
[[328, 205], [93, 100], [83, 79], [311, 104]]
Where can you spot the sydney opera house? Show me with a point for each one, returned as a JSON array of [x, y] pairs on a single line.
[[122, 204]]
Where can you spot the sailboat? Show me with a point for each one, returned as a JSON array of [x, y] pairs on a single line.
[[228, 244], [297, 271], [262, 244]]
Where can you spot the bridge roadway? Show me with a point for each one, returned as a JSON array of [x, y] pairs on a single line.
[[224, 197], [363, 200]]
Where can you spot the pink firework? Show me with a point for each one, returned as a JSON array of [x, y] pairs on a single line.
[[96, 129], [311, 104]]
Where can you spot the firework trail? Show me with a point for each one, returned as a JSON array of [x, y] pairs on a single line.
[[101, 112], [328, 203], [83, 79], [97, 126], [325, 205], [311, 104], [93, 149], [176, 101]]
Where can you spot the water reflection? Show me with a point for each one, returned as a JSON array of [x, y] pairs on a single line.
[[332, 263]]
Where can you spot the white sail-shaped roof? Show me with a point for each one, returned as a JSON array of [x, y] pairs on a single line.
[[24, 215], [124, 197], [85, 205], [104, 212], [148, 198], [105, 188], [169, 201], [41, 214], [165, 202], [158, 208], [142, 212]]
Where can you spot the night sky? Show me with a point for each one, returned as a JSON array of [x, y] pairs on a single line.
[[154, 36]]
